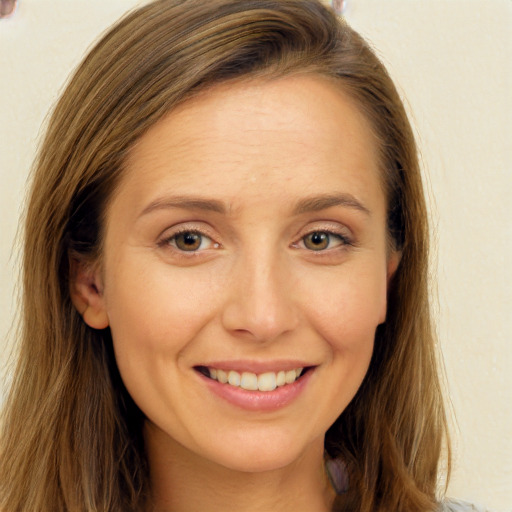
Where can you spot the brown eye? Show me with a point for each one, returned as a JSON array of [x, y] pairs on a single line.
[[321, 240], [316, 241], [188, 241]]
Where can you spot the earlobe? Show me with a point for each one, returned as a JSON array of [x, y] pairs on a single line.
[[86, 291], [392, 266]]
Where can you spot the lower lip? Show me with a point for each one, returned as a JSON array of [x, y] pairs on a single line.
[[259, 400]]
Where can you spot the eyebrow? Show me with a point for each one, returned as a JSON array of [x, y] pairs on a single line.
[[325, 201], [306, 205], [186, 203]]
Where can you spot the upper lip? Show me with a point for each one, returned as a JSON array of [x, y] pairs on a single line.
[[257, 367]]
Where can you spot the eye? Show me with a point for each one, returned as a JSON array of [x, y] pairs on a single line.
[[322, 240], [190, 241]]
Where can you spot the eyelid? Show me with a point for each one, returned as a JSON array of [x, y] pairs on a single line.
[[171, 233], [343, 233], [332, 228], [343, 241]]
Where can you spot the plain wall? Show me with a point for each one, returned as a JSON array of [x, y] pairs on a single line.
[[452, 61]]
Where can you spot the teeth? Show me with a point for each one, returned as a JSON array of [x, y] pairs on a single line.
[[267, 381], [249, 381], [234, 378], [252, 382], [290, 376], [222, 376]]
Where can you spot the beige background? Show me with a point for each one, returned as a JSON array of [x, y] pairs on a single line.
[[452, 59]]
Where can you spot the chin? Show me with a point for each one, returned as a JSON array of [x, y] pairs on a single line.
[[260, 464], [264, 456]]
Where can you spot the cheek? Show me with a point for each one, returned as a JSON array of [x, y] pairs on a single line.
[[347, 318], [154, 313], [349, 313]]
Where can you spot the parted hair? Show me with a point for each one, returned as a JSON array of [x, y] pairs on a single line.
[[71, 437]]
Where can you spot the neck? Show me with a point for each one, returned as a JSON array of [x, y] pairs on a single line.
[[183, 481]]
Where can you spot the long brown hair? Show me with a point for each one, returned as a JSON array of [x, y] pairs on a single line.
[[71, 435]]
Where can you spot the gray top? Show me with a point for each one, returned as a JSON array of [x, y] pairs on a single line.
[[461, 506], [337, 473]]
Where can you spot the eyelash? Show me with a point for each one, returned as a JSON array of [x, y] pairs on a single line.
[[171, 240], [332, 234], [344, 240]]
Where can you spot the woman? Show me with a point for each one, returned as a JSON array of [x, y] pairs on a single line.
[[225, 277]]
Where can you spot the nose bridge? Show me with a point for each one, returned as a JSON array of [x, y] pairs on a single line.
[[260, 303]]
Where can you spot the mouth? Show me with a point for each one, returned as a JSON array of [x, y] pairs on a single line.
[[249, 381]]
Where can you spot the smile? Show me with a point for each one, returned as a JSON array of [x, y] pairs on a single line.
[[259, 390], [249, 381]]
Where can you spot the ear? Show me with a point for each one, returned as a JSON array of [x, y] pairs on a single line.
[[86, 290], [393, 262], [392, 265]]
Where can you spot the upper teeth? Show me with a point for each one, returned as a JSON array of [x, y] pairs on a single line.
[[263, 382]]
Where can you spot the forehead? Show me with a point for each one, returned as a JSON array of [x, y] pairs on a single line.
[[302, 131]]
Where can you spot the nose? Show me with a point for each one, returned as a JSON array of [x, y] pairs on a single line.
[[259, 303]]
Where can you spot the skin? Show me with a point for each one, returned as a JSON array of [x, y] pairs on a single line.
[[256, 289]]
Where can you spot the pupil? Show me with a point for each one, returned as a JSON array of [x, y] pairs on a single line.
[[190, 239], [318, 238], [317, 241]]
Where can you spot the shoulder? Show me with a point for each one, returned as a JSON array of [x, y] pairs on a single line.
[[460, 506]]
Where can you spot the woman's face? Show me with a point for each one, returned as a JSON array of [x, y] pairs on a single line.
[[247, 242]]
